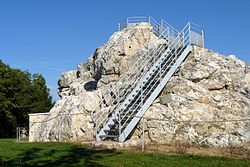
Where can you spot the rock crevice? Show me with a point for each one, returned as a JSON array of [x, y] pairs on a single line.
[[206, 87]]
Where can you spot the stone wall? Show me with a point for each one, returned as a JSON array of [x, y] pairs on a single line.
[[35, 122]]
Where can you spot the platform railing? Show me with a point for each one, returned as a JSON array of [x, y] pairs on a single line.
[[157, 26]]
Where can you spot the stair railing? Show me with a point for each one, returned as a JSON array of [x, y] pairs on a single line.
[[124, 76], [148, 62], [186, 40]]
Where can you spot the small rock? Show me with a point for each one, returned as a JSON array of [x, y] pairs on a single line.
[[217, 98], [67, 78], [165, 99]]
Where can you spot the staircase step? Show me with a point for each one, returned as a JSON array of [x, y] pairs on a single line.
[[115, 120], [144, 90], [108, 136], [111, 125], [110, 130]]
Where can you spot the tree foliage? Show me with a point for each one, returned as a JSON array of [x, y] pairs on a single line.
[[21, 93]]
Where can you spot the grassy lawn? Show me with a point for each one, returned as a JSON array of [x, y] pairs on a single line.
[[65, 154]]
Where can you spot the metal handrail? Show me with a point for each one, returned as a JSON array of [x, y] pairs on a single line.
[[104, 116], [157, 25], [139, 61], [145, 60], [164, 30], [132, 80], [134, 83], [171, 58]]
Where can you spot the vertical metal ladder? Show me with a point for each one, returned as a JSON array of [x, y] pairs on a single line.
[[139, 87]]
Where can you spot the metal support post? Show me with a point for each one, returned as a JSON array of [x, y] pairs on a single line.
[[168, 35], [182, 40], [17, 134], [149, 20], [119, 117], [95, 131], [203, 38], [120, 130], [143, 135], [60, 129], [161, 28], [141, 102], [189, 34], [160, 72]]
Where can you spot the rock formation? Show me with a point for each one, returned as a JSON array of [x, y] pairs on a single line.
[[207, 88], [201, 104]]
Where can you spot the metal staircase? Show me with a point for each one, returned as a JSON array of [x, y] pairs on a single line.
[[123, 107]]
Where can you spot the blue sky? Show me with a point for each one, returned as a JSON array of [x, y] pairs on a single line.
[[53, 36]]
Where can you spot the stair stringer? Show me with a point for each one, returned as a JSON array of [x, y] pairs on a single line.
[[135, 91], [105, 127], [143, 80]]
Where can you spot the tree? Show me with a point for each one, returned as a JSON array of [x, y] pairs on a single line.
[[21, 93]]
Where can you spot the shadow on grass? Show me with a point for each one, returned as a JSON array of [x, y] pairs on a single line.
[[72, 156]]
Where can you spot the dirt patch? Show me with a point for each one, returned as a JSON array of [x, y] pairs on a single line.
[[175, 148], [180, 148]]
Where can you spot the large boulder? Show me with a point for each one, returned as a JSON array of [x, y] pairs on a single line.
[[69, 119], [67, 78], [113, 59]]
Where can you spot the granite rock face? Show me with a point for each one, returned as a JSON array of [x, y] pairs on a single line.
[[201, 104]]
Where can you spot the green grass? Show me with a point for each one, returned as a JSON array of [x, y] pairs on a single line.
[[65, 154]]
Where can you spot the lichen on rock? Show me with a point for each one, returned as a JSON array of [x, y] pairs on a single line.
[[207, 87]]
